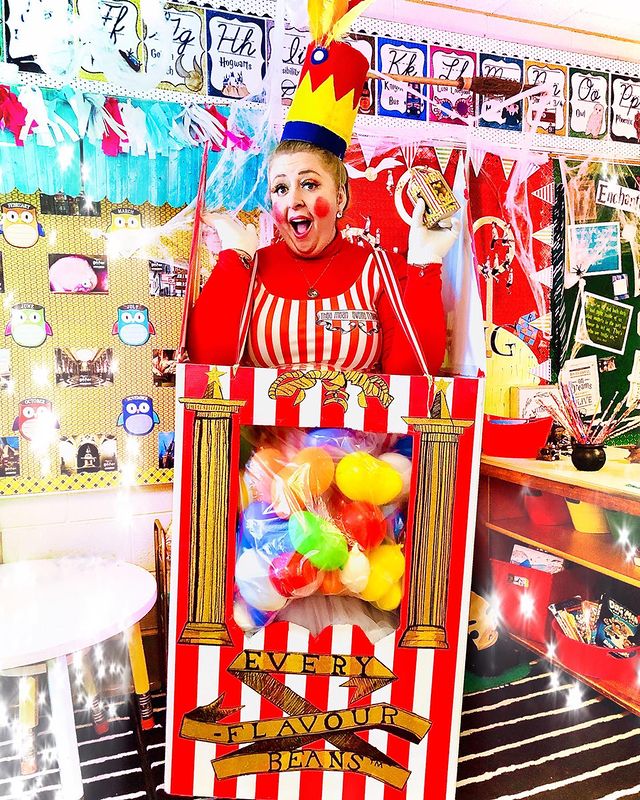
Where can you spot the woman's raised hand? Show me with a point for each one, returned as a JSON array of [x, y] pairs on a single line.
[[233, 234], [430, 245]]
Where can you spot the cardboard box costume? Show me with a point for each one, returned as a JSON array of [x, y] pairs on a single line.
[[261, 703], [249, 713]]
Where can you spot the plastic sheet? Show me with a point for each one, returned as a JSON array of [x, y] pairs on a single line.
[[321, 528]]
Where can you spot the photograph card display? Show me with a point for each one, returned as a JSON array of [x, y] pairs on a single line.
[[605, 323], [84, 366], [78, 274], [88, 453]]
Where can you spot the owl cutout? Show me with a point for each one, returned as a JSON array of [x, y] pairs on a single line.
[[27, 325], [20, 226], [138, 416], [124, 219], [36, 420], [133, 325]]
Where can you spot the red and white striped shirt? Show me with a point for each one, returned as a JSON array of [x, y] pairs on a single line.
[[228, 309], [342, 332]]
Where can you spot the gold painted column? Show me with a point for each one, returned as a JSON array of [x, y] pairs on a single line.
[[431, 541], [206, 623]]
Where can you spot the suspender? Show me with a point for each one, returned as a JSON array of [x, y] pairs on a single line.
[[393, 291], [247, 310], [397, 303]]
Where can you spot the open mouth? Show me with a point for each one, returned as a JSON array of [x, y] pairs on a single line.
[[301, 226]]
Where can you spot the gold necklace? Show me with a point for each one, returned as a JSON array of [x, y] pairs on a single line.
[[312, 293]]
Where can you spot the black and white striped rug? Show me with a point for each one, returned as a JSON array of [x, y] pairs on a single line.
[[544, 737], [548, 737]]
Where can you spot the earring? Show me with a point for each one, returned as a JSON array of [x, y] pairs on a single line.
[[339, 215]]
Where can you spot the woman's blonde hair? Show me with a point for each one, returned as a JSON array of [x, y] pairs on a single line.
[[333, 164]]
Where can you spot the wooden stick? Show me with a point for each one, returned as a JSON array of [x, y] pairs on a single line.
[[478, 84]]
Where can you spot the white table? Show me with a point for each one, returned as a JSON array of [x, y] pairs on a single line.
[[52, 608]]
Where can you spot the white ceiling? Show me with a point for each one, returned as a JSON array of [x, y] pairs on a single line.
[[603, 27]]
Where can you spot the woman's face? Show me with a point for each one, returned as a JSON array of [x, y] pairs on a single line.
[[305, 200]]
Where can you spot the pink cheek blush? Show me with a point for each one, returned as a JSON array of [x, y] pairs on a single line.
[[322, 207], [278, 215]]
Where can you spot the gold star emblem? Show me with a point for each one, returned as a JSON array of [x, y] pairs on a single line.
[[442, 385], [214, 390]]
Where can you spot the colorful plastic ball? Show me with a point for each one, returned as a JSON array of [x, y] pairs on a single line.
[[331, 583], [360, 476], [403, 466], [317, 470], [388, 559], [243, 497], [355, 573], [246, 450], [396, 520], [248, 618], [293, 575], [288, 492], [377, 586], [387, 567], [392, 598], [261, 469], [363, 523], [404, 446], [318, 539], [336, 441], [260, 528], [253, 583]]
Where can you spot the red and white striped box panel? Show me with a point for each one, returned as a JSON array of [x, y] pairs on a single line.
[[398, 738]]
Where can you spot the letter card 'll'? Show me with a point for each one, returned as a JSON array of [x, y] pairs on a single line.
[[321, 566]]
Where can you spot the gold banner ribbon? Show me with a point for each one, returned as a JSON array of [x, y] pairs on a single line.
[[272, 745]]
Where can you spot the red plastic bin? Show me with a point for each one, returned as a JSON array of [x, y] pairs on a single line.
[[598, 662], [514, 438], [521, 588], [544, 508]]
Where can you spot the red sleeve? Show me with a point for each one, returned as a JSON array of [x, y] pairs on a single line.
[[214, 322], [422, 294]]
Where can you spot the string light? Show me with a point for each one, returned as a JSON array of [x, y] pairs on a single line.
[[65, 156], [527, 605], [574, 696], [40, 375]]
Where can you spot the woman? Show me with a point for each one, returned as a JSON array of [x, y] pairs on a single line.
[[317, 298]]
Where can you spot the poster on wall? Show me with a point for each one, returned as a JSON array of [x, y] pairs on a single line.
[[588, 103], [367, 46], [9, 456], [236, 55], [625, 109], [553, 77], [510, 117], [295, 47], [186, 68], [88, 453], [27, 31], [596, 298], [396, 57], [122, 31], [450, 64]]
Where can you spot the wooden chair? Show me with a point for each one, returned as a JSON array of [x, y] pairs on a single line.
[[162, 546]]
